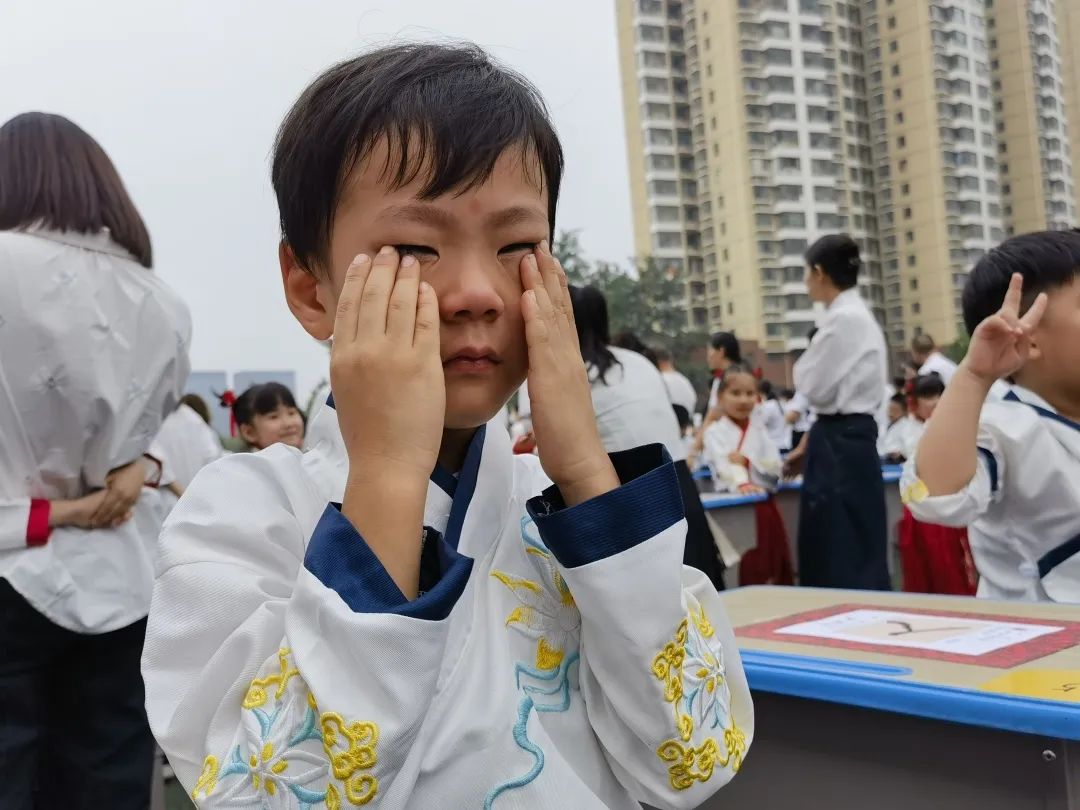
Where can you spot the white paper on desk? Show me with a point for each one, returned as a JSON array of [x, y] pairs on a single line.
[[949, 634]]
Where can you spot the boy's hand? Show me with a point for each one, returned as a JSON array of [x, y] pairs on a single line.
[[1000, 344], [738, 458], [386, 372], [564, 423]]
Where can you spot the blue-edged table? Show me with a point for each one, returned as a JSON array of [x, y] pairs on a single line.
[[731, 513], [866, 724]]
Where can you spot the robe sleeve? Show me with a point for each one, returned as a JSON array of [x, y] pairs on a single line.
[[23, 522], [660, 671], [276, 643], [963, 507], [765, 462]]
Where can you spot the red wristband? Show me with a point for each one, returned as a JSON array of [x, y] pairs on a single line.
[[37, 526]]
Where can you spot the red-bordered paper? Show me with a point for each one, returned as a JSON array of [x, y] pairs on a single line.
[[1065, 635]]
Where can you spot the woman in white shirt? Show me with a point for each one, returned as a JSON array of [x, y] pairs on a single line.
[[633, 408], [93, 354], [842, 374]]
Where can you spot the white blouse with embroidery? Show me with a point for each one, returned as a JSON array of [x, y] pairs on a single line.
[[564, 658]]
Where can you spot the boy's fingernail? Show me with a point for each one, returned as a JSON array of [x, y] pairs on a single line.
[[408, 261], [361, 258], [544, 246], [386, 249], [531, 259]]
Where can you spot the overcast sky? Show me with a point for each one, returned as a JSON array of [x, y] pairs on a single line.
[[185, 96]]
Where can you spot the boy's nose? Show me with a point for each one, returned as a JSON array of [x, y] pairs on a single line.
[[470, 293]]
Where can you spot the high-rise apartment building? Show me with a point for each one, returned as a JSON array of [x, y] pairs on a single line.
[[1068, 36], [924, 128], [663, 183]]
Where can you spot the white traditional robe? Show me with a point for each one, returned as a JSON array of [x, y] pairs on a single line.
[[723, 437], [564, 657], [1022, 507]]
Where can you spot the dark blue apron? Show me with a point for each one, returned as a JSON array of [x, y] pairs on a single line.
[[842, 525]]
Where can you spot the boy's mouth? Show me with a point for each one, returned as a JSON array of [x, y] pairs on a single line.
[[472, 360]]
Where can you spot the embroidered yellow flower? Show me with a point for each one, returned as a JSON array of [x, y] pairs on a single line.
[[351, 749], [257, 695], [546, 612], [691, 668]]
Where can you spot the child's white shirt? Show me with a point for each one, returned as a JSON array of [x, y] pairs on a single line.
[[723, 437], [902, 437], [1021, 507], [565, 657]]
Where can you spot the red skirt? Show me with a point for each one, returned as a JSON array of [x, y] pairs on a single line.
[[936, 559], [769, 562]]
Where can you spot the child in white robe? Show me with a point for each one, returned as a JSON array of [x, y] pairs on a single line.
[[426, 621], [185, 444], [1010, 470], [744, 459]]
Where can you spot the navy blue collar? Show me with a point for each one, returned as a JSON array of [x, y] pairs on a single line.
[[1041, 411]]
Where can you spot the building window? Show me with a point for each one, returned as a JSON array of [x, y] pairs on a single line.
[[913, 284], [897, 93], [907, 213], [901, 142], [891, 22], [895, 70], [730, 308], [894, 46], [911, 260], [909, 237], [905, 188], [903, 164], [916, 308]]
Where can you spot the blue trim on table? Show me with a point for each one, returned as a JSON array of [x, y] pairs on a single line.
[[340, 559], [1057, 555], [1044, 412], [466, 486], [991, 467], [890, 474], [648, 503], [836, 682]]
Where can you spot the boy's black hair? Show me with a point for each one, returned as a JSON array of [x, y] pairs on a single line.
[[900, 400], [631, 342], [1046, 260], [448, 112], [838, 257], [729, 343], [766, 389], [261, 399], [927, 386]]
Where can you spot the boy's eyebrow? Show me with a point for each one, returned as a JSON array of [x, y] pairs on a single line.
[[419, 213], [516, 215]]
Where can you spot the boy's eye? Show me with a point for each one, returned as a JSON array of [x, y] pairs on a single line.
[[419, 251], [518, 247]]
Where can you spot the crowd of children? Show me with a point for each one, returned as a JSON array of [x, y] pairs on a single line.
[[396, 602]]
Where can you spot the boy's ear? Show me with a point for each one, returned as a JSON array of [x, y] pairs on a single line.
[[309, 299]]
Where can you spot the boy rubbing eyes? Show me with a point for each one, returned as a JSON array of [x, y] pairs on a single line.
[[412, 616]]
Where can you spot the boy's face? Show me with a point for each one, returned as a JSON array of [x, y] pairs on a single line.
[[470, 248], [924, 407], [1054, 368]]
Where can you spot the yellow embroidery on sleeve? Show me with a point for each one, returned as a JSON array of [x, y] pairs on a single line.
[[207, 779], [257, 695], [359, 739], [691, 668], [915, 492]]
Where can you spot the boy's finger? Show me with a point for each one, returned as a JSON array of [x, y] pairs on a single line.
[[1013, 295], [530, 272], [550, 273], [1035, 312], [376, 295], [427, 317], [401, 312], [537, 329], [348, 307]]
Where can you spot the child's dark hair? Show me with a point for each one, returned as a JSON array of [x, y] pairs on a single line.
[[766, 389], [734, 370], [1046, 260], [197, 404], [729, 343], [594, 333], [927, 386], [838, 257], [899, 399], [261, 399], [631, 342], [447, 113]]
